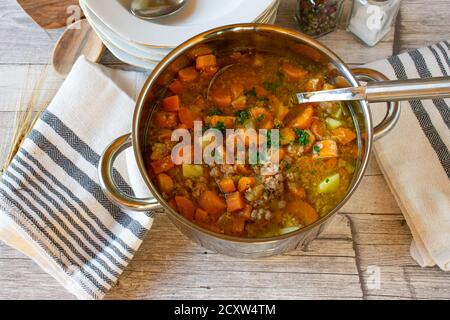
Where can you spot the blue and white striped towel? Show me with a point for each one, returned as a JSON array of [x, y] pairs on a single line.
[[415, 156], [51, 205]]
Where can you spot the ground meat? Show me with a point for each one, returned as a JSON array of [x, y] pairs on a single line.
[[227, 169], [214, 172], [261, 214], [274, 186]]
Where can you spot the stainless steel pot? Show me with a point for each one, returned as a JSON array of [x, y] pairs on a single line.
[[261, 37]]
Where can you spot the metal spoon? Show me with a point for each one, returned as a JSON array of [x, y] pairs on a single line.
[[152, 9], [384, 91]]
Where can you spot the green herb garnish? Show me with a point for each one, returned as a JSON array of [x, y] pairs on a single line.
[[215, 112], [243, 116], [272, 86], [251, 93], [219, 126], [316, 149], [303, 136], [260, 117]]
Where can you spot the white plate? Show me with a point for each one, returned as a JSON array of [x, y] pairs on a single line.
[[120, 54], [196, 17], [155, 54], [145, 52]]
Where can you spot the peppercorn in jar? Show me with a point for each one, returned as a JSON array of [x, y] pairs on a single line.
[[318, 17]]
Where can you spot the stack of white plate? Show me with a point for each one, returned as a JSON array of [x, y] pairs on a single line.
[[143, 43]]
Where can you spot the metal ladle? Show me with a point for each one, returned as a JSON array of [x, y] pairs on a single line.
[[152, 9], [384, 91]]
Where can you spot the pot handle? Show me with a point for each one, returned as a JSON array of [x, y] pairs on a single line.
[[393, 108], [109, 187]]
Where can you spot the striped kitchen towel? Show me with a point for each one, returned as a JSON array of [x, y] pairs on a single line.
[[51, 204], [415, 156]]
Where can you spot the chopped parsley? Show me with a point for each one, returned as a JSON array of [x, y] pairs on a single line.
[[263, 99], [243, 115], [219, 126], [316, 149], [215, 112], [272, 86], [251, 93], [260, 117], [302, 136]]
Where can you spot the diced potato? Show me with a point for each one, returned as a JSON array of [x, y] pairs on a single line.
[[333, 123], [192, 171], [325, 149], [330, 184], [287, 136], [254, 193]]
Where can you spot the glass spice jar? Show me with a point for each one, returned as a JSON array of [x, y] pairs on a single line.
[[318, 17]]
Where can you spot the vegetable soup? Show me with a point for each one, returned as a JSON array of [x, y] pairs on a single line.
[[318, 145]]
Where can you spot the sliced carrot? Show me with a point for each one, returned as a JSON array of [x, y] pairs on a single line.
[[237, 90], [318, 128], [326, 149], [242, 169], [172, 203], [172, 103], [343, 135], [228, 121], [186, 117], [263, 117], [304, 119], [212, 203], [287, 136], [247, 212], [281, 111], [201, 215], [303, 210], [227, 185], [296, 190], [199, 51], [185, 207], [246, 183], [261, 92], [240, 103], [293, 73], [162, 165], [203, 62], [176, 87], [165, 119], [235, 202], [221, 98], [238, 225], [188, 74], [165, 183], [209, 72]]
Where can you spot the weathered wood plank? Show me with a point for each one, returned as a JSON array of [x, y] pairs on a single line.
[[423, 23]]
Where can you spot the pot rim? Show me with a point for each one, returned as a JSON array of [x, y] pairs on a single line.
[[208, 35]]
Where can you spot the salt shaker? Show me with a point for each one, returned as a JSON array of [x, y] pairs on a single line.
[[371, 20]]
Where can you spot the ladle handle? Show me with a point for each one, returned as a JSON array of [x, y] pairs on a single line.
[[411, 89]]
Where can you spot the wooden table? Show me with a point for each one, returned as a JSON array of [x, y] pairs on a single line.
[[368, 237]]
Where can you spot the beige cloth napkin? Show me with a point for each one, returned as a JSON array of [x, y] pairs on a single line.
[[415, 158]]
